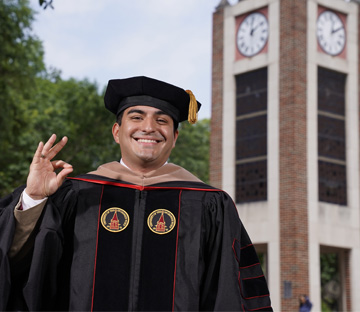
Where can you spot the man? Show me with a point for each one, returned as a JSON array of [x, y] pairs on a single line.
[[141, 234]]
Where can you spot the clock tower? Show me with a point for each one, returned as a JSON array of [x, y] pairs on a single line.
[[285, 141]]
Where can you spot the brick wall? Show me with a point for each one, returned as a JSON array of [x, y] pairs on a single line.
[[293, 175], [217, 99]]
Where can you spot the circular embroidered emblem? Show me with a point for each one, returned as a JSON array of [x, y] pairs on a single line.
[[115, 219], [161, 221]]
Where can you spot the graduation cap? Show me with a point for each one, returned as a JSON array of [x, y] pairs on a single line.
[[180, 104]]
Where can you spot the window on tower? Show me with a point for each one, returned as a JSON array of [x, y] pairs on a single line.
[[331, 136], [251, 136]]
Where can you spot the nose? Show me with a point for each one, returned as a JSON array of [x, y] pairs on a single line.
[[148, 125]]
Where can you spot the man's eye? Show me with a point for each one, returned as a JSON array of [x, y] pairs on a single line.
[[136, 117]]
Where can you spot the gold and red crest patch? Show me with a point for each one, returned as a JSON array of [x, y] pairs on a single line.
[[161, 221], [115, 219]]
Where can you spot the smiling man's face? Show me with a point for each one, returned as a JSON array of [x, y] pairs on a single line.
[[146, 137]]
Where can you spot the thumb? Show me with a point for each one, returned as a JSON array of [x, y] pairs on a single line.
[[63, 174]]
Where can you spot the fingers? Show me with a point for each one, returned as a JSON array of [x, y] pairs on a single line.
[[42, 169], [57, 164], [38, 151], [48, 151], [66, 170], [48, 145], [62, 175], [51, 151]]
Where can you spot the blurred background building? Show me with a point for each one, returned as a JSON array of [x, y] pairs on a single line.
[[285, 141]]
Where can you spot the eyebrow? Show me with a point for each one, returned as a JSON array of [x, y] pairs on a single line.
[[139, 111]]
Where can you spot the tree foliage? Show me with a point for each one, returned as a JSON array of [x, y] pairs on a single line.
[[192, 148], [36, 102], [330, 281], [72, 108], [21, 62]]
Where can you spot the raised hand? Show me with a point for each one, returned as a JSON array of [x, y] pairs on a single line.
[[42, 180]]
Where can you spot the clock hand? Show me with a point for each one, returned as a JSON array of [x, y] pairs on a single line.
[[254, 28], [251, 25], [332, 24], [335, 30]]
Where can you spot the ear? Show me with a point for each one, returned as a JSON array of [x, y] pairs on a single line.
[[115, 132], [176, 134]]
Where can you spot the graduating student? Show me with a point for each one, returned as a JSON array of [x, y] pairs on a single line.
[[136, 235]]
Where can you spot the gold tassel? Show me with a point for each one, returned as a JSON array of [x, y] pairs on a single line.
[[193, 108]]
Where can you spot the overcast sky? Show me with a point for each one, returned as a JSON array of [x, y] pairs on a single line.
[[100, 40]]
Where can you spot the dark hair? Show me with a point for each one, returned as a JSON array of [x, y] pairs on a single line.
[[121, 114], [119, 118]]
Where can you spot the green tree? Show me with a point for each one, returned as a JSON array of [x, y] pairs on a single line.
[[192, 148], [36, 103], [21, 61], [76, 109], [72, 108], [21, 58]]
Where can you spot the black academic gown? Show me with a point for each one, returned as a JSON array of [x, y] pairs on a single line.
[[108, 245]]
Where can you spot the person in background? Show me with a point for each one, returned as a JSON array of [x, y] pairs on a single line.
[[305, 304]]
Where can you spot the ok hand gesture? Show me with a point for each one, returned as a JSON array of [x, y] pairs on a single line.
[[42, 180]]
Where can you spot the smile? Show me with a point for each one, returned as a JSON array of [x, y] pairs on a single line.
[[147, 141]]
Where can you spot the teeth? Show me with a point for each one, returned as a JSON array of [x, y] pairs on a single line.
[[146, 141]]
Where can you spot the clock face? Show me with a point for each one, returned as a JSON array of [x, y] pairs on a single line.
[[252, 34], [330, 33]]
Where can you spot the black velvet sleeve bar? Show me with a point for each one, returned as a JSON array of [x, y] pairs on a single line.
[[232, 279]]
